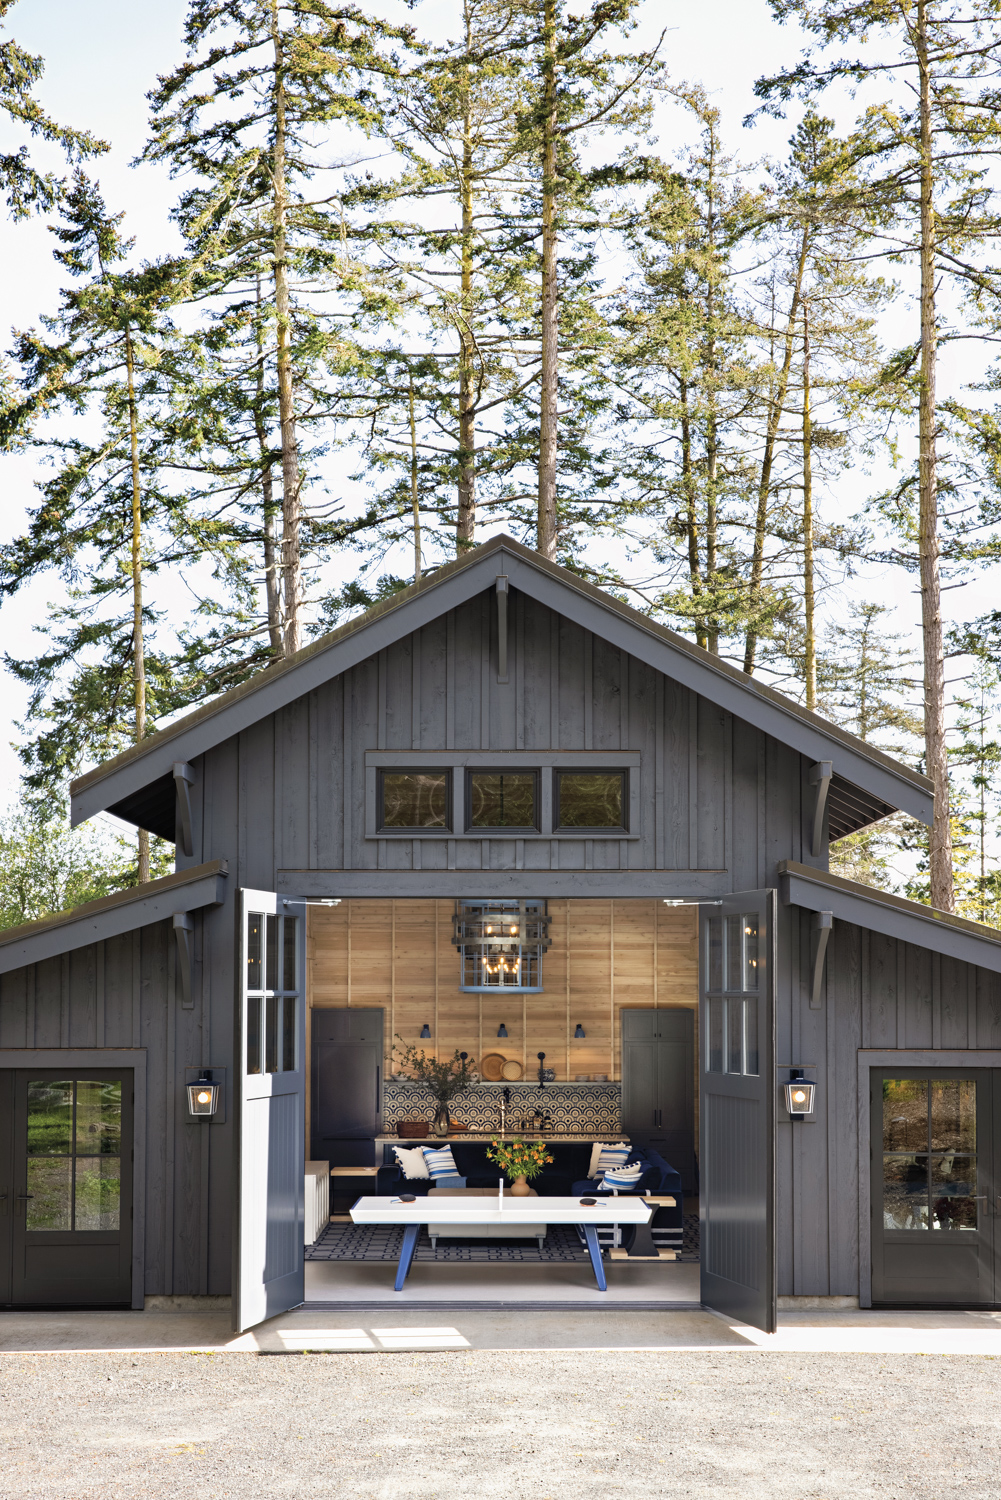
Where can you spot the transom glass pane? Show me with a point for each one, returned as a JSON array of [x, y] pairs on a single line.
[[591, 799], [502, 799], [415, 799]]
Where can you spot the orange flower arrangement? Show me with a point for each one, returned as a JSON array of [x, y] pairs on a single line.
[[519, 1158]]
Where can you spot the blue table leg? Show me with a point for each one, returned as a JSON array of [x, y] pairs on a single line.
[[411, 1234], [594, 1251]]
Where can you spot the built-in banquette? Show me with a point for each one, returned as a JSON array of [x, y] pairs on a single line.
[[497, 703]]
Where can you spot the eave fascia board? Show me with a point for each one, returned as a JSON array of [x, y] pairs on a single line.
[[187, 890], [894, 916], [739, 695], [453, 586]]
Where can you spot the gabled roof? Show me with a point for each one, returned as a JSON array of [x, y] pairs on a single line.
[[186, 890], [910, 921], [138, 784]]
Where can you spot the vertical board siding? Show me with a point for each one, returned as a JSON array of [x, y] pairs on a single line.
[[122, 993]]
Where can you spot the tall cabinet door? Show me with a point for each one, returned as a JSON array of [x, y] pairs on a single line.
[[345, 1081], [737, 1107], [6, 1179], [271, 1094]]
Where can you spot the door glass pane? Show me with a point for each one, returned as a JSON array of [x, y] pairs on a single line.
[[734, 954], [749, 938], [905, 1191], [273, 1004], [98, 1192], [254, 1034], [255, 924], [953, 1187], [288, 1034], [735, 1035], [714, 953], [953, 1114], [714, 1041], [290, 932], [905, 1114], [50, 1192], [271, 981], [751, 1035], [98, 1118], [50, 1117]]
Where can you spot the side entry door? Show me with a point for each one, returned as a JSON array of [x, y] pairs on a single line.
[[271, 1098], [737, 1106]]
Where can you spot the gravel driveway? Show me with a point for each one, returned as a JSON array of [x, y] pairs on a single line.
[[536, 1424]]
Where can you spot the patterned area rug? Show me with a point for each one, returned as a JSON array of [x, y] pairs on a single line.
[[374, 1242], [690, 1239]]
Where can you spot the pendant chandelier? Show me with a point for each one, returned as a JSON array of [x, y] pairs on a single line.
[[501, 944]]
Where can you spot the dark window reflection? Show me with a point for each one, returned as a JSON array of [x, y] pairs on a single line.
[[929, 1154], [502, 799], [415, 799], [590, 799]]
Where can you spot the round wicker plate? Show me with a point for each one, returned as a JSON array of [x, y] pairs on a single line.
[[511, 1070], [490, 1067]]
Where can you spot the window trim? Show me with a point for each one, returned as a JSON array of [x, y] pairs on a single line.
[[513, 830], [607, 830], [410, 829]]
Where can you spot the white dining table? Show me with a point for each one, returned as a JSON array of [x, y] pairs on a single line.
[[500, 1211]]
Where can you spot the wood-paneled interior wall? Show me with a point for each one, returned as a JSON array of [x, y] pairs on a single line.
[[606, 955]]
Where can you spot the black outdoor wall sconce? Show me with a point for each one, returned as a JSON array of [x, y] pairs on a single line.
[[800, 1095], [203, 1096]]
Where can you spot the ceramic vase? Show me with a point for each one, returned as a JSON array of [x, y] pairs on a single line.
[[520, 1188]]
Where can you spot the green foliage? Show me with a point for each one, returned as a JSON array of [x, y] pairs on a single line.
[[444, 1078], [49, 867]]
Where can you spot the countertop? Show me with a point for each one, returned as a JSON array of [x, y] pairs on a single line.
[[555, 1136]]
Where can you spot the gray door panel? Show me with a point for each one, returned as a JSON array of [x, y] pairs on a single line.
[[737, 1107]]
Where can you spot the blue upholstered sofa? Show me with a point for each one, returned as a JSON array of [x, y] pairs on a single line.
[[564, 1178]]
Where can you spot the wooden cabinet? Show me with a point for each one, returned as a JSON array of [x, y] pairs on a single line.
[[346, 1085], [658, 1085]]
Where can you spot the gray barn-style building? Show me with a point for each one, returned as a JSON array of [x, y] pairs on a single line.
[[674, 816]]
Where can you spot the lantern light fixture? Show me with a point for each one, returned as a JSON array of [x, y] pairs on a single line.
[[501, 944], [800, 1095], [203, 1096]]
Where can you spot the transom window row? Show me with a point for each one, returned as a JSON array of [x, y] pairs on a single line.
[[583, 801]]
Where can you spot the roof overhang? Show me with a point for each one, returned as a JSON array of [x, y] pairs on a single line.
[[120, 784], [895, 916], [139, 906]]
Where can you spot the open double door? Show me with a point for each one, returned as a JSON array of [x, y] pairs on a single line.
[[737, 1108]]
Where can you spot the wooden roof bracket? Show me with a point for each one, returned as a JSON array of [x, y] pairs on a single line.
[[184, 776], [821, 927], [184, 932], [820, 778], [502, 595]]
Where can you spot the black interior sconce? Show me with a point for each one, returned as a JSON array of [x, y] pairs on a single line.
[[580, 1033], [425, 1031], [502, 1029], [203, 1096], [800, 1095], [542, 1071]]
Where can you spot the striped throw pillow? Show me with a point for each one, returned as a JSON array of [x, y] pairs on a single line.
[[441, 1162], [604, 1156], [622, 1178]]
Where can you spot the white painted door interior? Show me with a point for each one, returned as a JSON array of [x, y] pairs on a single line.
[[737, 1106], [271, 1094]]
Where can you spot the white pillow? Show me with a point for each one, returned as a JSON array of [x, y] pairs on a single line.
[[412, 1161], [620, 1158]]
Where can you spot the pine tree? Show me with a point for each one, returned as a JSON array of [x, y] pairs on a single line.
[[926, 156]]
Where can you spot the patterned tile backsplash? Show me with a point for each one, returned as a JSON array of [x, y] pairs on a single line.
[[587, 1108]]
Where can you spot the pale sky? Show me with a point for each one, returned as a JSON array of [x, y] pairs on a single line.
[[101, 59]]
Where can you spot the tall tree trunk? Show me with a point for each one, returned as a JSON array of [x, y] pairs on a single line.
[[936, 756], [546, 541], [415, 499], [809, 616], [272, 579], [466, 531], [691, 513], [768, 458], [291, 513], [138, 650]]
